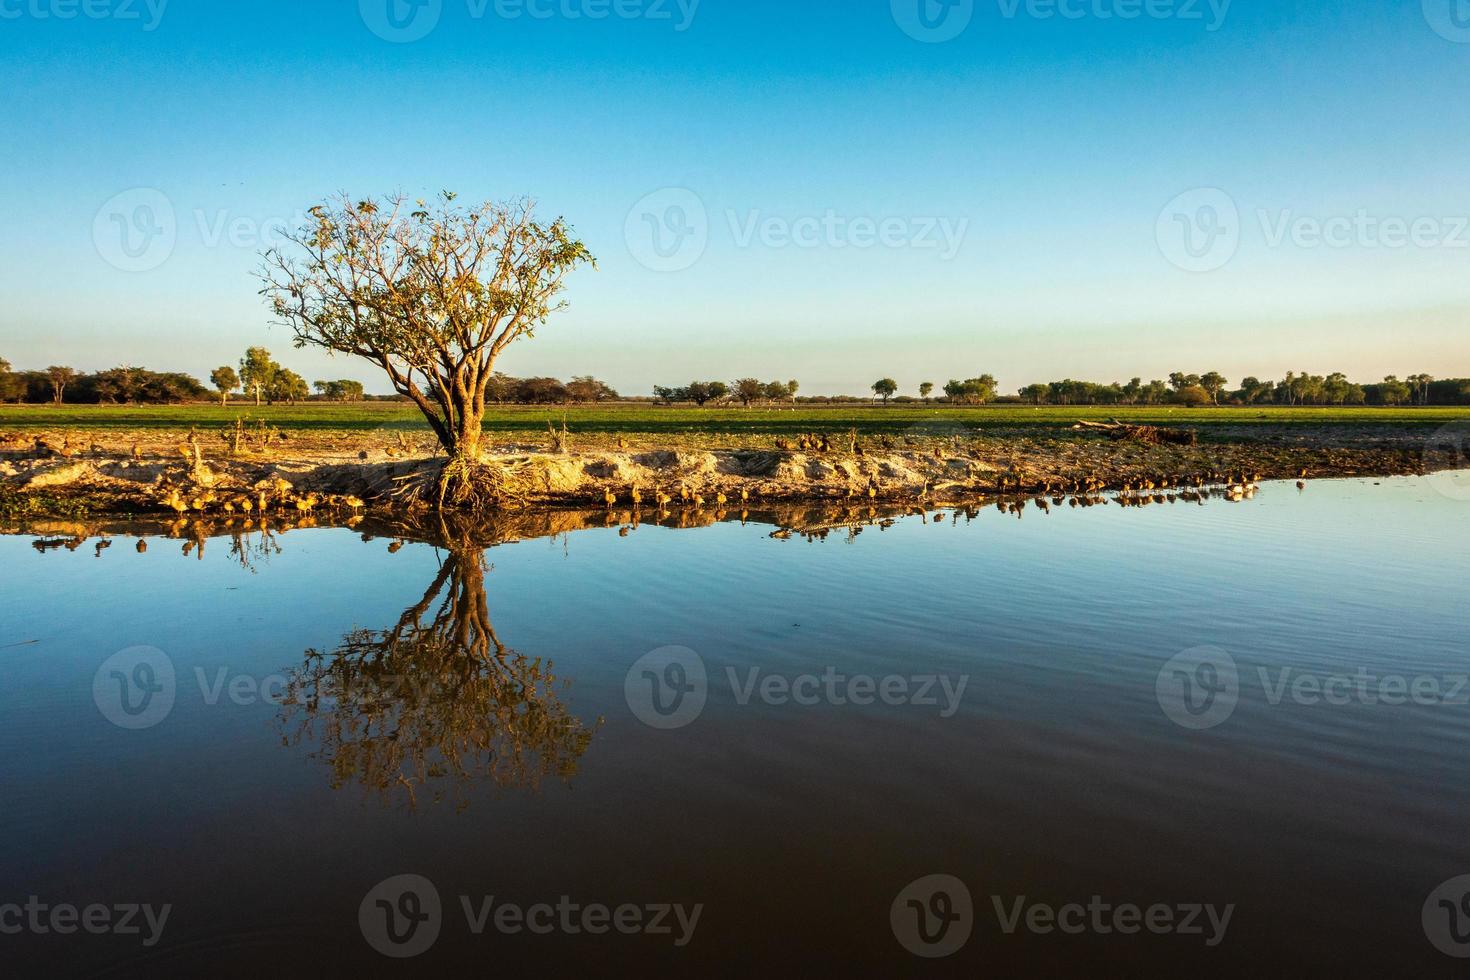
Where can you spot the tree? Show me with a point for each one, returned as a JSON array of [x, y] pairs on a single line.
[[225, 380], [975, 391], [59, 377], [589, 389], [1253, 389], [702, 393], [433, 297], [885, 388], [1036, 394], [169, 388], [118, 385], [541, 391], [339, 391], [502, 388], [926, 389], [748, 390], [1214, 383], [1179, 380], [257, 372], [1393, 391], [287, 386], [777, 391], [1419, 384], [792, 387]]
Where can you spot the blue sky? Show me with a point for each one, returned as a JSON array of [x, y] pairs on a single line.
[[1066, 156]]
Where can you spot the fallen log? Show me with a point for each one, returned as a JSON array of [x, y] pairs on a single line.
[[1149, 434]]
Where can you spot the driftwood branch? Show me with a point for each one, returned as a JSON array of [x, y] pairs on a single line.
[[1150, 434]]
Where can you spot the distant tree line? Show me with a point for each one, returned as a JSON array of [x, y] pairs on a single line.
[[262, 379], [1212, 388], [116, 386], [746, 391], [505, 390], [257, 375]]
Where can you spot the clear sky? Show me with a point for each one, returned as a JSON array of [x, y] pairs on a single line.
[[841, 189]]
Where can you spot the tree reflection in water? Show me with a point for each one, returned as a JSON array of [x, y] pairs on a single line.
[[422, 711]]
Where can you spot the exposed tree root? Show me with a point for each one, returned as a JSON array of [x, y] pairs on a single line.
[[462, 483]]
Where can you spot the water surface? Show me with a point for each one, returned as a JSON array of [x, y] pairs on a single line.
[[349, 707]]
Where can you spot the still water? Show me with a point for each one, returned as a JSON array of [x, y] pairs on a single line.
[[1166, 740]]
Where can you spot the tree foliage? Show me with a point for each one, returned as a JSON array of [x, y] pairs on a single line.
[[431, 294]]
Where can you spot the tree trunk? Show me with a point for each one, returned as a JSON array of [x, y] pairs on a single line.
[[467, 436]]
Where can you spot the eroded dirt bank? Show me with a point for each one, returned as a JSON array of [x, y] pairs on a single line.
[[40, 475]]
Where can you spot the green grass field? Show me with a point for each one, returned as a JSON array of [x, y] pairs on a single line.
[[688, 423]]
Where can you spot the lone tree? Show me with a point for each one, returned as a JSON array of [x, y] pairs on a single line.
[[432, 294], [926, 389], [59, 377], [748, 390], [288, 386], [1213, 382], [258, 372], [225, 380], [885, 388]]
